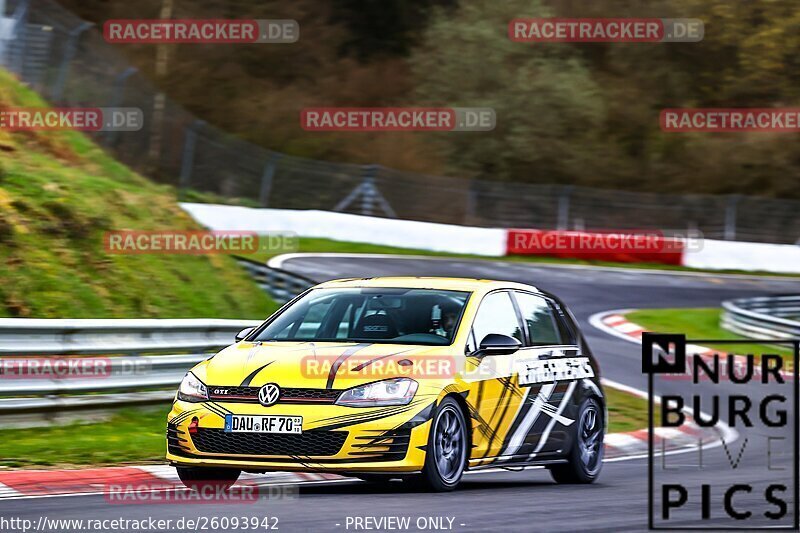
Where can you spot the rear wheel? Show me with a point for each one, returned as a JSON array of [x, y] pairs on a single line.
[[197, 478], [586, 456], [446, 454]]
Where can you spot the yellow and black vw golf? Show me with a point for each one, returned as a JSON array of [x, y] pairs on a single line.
[[417, 379]]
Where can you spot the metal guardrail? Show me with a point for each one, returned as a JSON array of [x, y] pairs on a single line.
[[141, 360], [282, 285], [114, 336], [133, 362], [764, 317]]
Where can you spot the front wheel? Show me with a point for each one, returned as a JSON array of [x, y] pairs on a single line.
[[586, 455], [446, 454], [199, 478]]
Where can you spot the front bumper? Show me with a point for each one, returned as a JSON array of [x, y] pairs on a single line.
[[334, 438]]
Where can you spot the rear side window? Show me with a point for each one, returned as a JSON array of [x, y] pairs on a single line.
[[565, 325], [539, 319]]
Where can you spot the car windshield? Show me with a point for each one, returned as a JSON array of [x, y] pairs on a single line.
[[377, 315]]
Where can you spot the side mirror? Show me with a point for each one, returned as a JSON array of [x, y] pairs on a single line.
[[497, 344], [242, 334]]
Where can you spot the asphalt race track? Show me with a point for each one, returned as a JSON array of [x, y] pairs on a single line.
[[502, 501]]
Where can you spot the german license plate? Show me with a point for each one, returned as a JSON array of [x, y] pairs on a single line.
[[263, 424]]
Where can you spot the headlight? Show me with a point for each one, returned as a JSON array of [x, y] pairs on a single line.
[[397, 391], [192, 389]]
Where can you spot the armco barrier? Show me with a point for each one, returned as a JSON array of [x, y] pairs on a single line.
[[280, 284], [764, 317], [139, 361]]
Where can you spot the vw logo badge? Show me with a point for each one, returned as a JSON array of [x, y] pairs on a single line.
[[268, 394]]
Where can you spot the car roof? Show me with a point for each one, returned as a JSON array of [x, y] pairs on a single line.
[[413, 282]]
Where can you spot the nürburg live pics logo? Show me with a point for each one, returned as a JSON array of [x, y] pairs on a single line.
[[741, 469]]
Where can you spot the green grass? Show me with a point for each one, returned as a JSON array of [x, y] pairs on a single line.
[[627, 412], [137, 436], [318, 245], [130, 436], [59, 194], [701, 323]]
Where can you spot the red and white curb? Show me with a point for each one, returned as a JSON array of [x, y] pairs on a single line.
[[42, 483], [685, 438]]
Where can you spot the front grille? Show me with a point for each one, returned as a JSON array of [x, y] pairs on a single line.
[[288, 395], [311, 443]]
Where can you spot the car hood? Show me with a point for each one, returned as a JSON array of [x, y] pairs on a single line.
[[318, 365]]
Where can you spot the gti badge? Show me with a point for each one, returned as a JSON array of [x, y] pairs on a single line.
[[268, 394]]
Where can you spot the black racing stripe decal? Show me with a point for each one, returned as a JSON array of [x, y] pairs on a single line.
[[420, 418], [183, 416], [362, 366], [528, 403], [537, 431], [357, 416], [248, 379], [507, 391], [364, 418], [341, 359], [217, 409]]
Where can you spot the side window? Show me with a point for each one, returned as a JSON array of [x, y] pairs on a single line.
[[539, 319], [565, 325], [497, 315]]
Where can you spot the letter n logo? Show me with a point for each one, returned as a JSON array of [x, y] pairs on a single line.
[[663, 353]]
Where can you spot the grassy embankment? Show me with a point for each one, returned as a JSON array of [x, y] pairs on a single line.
[[59, 194]]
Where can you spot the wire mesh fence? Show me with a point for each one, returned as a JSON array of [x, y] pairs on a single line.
[[67, 61]]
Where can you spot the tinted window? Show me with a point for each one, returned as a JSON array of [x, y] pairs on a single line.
[[497, 315], [565, 325], [381, 315], [539, 319]]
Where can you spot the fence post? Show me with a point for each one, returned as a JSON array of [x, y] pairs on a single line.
[[69, 54], [20, 36], [563, 208], [472, 200], [368, 191], [730, 217], [266, 179], [187, 163], [117, 96]]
